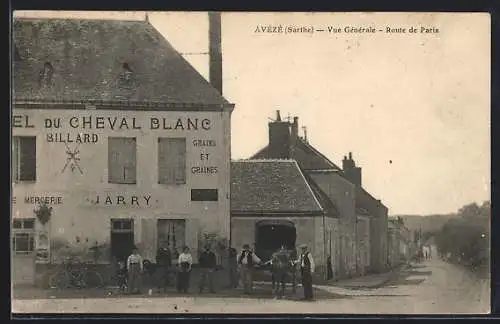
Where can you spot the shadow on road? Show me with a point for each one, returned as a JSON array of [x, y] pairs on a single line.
[[260, 292]]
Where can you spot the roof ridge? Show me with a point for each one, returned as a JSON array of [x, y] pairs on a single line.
[[312, 148], [308, 185], [78, 18]]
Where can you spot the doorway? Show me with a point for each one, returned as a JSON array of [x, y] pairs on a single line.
[[23, 252], [122, 238], [172, 233], [270, 235]]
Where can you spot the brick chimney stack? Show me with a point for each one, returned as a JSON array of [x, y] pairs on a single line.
[[351, 171], [215, 50]]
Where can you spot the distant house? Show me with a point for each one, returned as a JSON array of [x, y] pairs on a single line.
[[362, 220], [120, 135], [272, 204], [400, 242]]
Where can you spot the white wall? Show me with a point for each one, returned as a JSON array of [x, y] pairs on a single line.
[[79, 214]]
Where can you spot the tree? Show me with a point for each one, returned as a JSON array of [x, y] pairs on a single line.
[[466, 236]]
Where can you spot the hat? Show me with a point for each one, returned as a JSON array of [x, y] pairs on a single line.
[[303, 246]]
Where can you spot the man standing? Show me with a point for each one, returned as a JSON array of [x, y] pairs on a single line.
[[207, 263], [233, 267], [280, 265], [163, 262], [246, 260], [306, 262]]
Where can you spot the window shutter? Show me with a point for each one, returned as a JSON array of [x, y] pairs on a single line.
[[27, 160], [130, 160], [122, 160], [114, 168], [180, 167], [172, 160]]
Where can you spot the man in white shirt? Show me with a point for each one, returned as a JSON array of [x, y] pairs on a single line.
[[306, 262], [185, 262], [246, 260]]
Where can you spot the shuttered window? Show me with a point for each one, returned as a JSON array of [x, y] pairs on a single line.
[[24, 158], [122, 160], [171, 161]]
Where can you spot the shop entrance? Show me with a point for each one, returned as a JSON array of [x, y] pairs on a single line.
[[122, 238], [270, 235]]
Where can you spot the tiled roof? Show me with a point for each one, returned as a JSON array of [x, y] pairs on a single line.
[[306, 155], [88, 59], [271, 186]]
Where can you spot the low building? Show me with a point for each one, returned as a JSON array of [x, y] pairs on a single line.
[[400, 240], [118, 139], [272, 204], [357, 208]]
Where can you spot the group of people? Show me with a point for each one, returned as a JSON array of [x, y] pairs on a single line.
[[130, 274], [283, 264], [241, 267]]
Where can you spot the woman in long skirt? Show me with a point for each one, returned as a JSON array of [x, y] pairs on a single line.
[[135, 269]]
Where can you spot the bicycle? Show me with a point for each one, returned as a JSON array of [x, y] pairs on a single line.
[[76, 275]]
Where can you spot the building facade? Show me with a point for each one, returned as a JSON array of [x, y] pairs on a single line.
[[358, 210], [120, 137], [272, 204]]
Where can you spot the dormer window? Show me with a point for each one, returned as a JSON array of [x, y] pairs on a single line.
[[127, 75], [46, 74]]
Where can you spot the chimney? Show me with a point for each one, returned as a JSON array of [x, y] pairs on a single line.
[[295, 128], [304, 128], [215, 50], [279, 138], [351, 171], [278, 115]]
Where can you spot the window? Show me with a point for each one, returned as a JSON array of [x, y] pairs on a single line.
[[122, 160], [23, 240], [204, 195], [122, 225], [24, 158], [171, 161], [172, 232]]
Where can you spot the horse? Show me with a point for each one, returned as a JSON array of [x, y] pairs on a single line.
[[282, 267]]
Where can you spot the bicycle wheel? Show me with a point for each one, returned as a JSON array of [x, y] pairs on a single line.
[[93, 279], [59, 280]]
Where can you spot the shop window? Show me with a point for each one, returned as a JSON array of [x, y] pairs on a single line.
[[122, 160], [24, 158], [23, 239], [171, 161], [23, 224], [204, 195]]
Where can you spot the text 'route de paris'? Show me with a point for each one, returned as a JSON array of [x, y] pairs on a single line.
[[332, 29]]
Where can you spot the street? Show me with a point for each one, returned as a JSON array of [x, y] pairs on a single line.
[[431, 287]]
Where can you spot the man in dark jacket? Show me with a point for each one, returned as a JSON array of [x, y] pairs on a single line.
[[233, 267], [307, 266], [246, 261], [164, 263], [207, 264]]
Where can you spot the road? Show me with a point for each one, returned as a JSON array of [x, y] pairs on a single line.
[[432, 287]]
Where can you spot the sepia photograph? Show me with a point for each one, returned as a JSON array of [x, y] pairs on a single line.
[[250, 163]]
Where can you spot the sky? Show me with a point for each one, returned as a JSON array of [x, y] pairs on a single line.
[[414, 109]]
